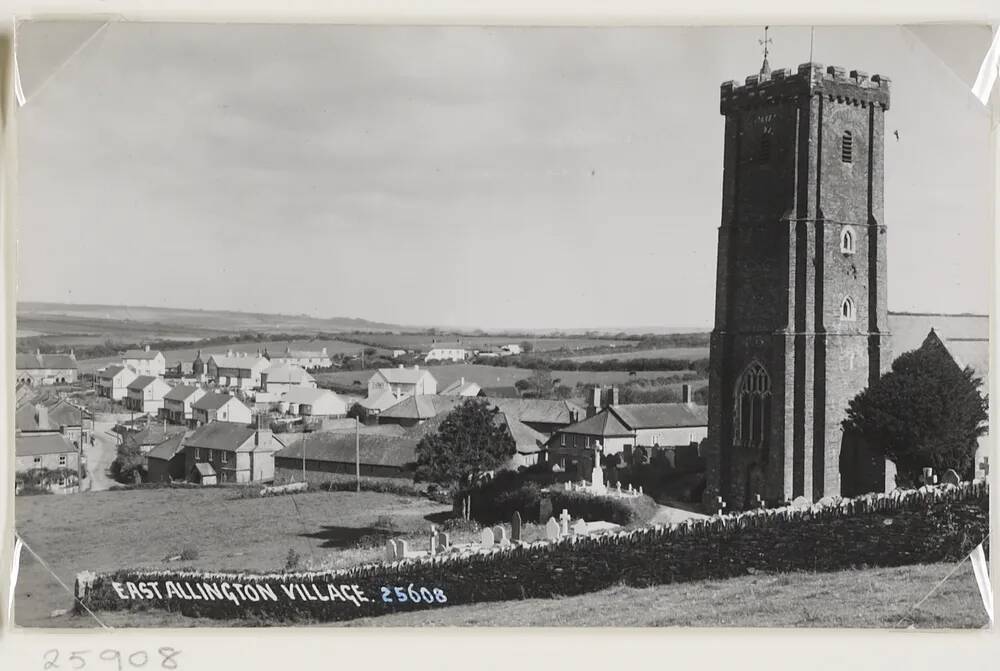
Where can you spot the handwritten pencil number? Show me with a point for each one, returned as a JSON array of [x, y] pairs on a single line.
[[109, 655], [51, 657], [168, 657], [76, 657]]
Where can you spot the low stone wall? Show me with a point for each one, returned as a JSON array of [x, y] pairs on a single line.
[[932, 524]]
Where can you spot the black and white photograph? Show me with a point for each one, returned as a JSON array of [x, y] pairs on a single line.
[[482, 326]]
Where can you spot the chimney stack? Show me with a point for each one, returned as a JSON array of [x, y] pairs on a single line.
[[686, 395], [324, 351], [594, 402], [42, 416], [612, 396], [147, 348]]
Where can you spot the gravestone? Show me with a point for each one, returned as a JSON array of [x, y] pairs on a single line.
[[719, 505], [486, 538], [544, 510], [580, 528], [950, 477], [515, 527], [390, 551], [927, 477], [443, 541], [402, 547], [758, 502], [499, 532], [564, 520], [640, 490], [434, 544], [552, 529]]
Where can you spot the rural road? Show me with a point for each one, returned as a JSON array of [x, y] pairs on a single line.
[[100, 455]]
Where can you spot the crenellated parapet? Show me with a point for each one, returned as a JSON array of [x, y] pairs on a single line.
[[854, 88]]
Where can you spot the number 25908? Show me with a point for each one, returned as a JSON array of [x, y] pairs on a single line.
[[163, 658]]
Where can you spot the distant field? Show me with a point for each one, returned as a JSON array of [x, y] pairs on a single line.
[[541, 344], [188, 354], [496, 376], [690, 353]]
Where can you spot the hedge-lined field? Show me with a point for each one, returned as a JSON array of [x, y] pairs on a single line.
[[928, 525]]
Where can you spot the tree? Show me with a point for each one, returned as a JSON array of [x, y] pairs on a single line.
[[527, 347], [127, 466], [470, 441], [541, 384], [925, 411]]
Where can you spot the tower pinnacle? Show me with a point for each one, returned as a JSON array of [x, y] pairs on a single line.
[[765, 68]]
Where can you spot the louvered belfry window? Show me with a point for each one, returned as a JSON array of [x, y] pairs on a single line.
[[847, 147]]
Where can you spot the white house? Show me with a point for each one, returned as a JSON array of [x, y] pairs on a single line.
[[279, 378], [401, 382], [305, 359], [511, 349], [145, 394], [113, 382], [145, 362], [310, 402], [220, 407], [445, 354], [237, 371], [177, 403]]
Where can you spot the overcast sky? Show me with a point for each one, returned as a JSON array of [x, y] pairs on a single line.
[[495, 177]]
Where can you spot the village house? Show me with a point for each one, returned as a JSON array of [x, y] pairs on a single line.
[[330, 455], [446, 354], [165, 461], [177, 403], [40, 452], [302, 358], [279, 378], [41, 369], [145, 361], [401, 382], [216, 407], [413, 410], [145, 394], [149, 436], [51, 416], [509, 350], [397, 353], [620, 428], [461, 388], [236, 371], [230, 452], [113, 382], [310, 402]]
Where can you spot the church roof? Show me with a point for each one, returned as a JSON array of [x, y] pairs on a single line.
[[966, 336], [661, 415]]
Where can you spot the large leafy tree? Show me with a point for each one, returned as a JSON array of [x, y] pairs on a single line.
[[470, 441], [925, 411], [128, 464]]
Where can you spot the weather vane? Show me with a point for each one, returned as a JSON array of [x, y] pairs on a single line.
[[765, 69]]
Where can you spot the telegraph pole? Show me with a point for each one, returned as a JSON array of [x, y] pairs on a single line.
[[357, 450], [305, 436]]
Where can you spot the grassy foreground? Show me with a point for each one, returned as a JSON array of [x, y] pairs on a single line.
[[879, 598]]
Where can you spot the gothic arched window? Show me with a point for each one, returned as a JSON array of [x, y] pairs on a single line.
[[847, 240], [848, 312], [847, 147], [753, 407]]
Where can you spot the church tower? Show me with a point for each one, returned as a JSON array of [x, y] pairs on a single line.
[[800, 307]]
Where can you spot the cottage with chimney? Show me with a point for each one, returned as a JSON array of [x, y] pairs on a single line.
[[216, 407], [401, 382], [178, 401], [46, 460], [279, 378], [237, 371], [309, 360], [145, 394], [41, 369], [50, 416], [113, 382], [145, 361], [230, 452]]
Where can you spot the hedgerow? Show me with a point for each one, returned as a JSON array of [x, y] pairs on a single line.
[[918, 526]]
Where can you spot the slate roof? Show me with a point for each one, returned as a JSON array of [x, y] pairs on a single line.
[[167, 449], [501, 392], [213, 401], [141, 354], [34, 445], [25, 361], [181, 392], [604, 424], [141, 382], [384, 400], [60, 414], [661, 415], [153, 434], [460, 388], [282, 374], [306, 395], [204, 469], [537, 410], [239, 362], [109, 372], [526, 439], [421, 406], [403, 375], [338, 446], [227, 436]]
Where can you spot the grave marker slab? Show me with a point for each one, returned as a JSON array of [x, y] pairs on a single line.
[[552, 529], [580, 528], [515, 527], [564, 519], [950, 477], [486, 538], [544, 510]]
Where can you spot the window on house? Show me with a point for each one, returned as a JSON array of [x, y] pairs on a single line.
[[225, 457], [62, 459], [847, 240], [753, 407], [764, 154], [562, 440], [37, 460], [197, 454], [848, 312], [847, 147]]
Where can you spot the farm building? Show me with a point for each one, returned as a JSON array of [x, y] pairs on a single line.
[[113, 382], [461, 388], [51, 416], [413, 410], [329, 453], [446, 354], [279, 378], [165, 461], [215, 407], [51, 453], [177, 403], [41, 369], [145, 361], [236, 371], [310, 402], [145, 394], [401, 382], [231, 453]]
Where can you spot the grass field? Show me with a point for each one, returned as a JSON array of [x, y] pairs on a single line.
[[689, 353], [541, 344], [879, 597]]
